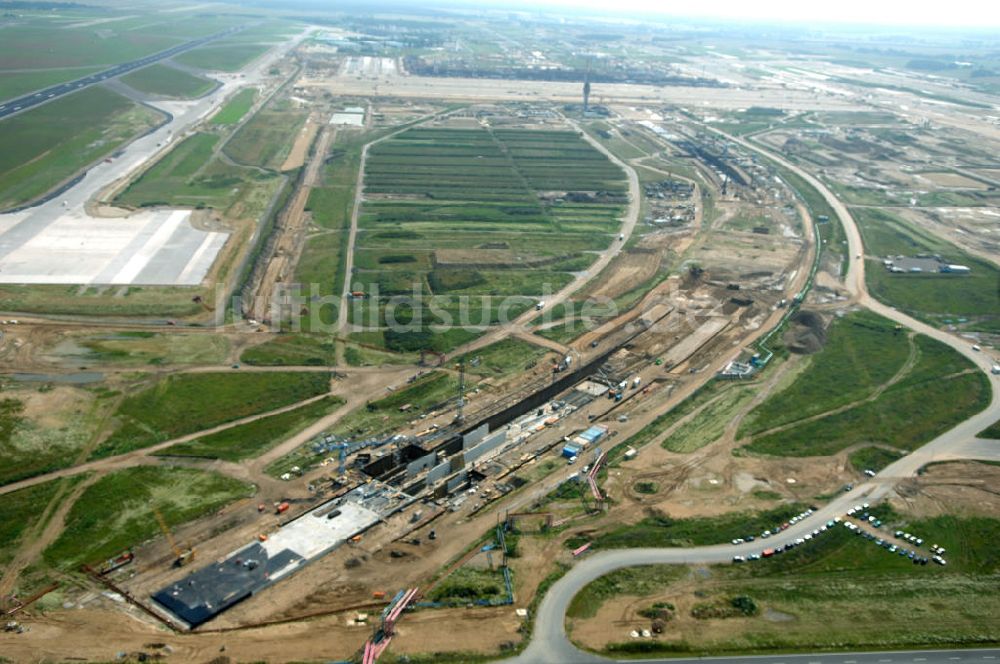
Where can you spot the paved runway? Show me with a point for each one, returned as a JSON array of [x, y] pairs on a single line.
[[32, 99], [59, 242]]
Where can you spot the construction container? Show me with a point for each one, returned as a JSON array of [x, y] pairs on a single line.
[[283, 507], [571, 450], [594, 433]]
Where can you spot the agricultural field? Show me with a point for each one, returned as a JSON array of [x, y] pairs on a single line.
[[116, 512], [923, 394], [45, 428], [247, 441], [265, 140], [164, 81], [482, 213], [176, 405], [936, 298], [221, 56], [43, 147], [237, 107], [808, 599]]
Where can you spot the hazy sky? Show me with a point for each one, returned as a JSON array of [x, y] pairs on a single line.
[[973, 13]]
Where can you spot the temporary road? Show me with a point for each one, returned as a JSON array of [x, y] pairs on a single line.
[[549, 640], [32, 99]]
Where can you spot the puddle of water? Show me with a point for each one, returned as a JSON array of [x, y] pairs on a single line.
[[777, 616], [79, 378]]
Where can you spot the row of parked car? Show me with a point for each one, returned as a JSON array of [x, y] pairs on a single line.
[[768, 553], [892, 548], [777, 529]]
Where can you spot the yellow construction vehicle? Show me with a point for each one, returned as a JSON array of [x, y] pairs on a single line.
[[182, 556]]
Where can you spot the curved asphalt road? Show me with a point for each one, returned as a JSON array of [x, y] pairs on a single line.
[[32, 99], [549, 641]]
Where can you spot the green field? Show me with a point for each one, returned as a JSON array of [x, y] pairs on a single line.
[[16, 84], [19, 511], [862, 352], [234, 110], [935, 298], [250, 440], [158, 302], [934, 392], [45, 146], [116, 512], [222, 57], [189, 175], [504, 358], [49, 436], [838, 592], [168, 82], [112, 43], [292, 350], [993, 431], [177, 405], [266, 139]]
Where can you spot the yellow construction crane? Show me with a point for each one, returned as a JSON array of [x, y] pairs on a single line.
[[183, 556]]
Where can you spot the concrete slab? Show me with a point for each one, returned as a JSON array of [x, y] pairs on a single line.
[[155, 248]]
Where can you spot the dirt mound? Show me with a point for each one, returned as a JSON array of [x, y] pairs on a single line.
[[807, 333]]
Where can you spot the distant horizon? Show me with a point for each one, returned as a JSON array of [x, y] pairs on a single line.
[[962, 14]]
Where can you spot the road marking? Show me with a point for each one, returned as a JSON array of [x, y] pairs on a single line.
[[850, 661], [885, 660], [919, 659], [988, 657]]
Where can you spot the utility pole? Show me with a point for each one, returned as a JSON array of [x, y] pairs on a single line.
[[460, 417]]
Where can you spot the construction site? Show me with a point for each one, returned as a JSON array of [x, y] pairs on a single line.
[[294, 428]]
